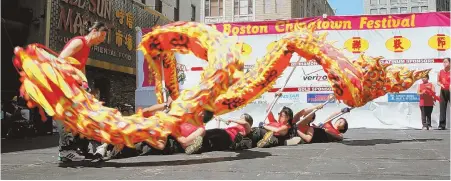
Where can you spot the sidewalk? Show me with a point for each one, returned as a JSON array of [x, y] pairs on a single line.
[[365, 154]]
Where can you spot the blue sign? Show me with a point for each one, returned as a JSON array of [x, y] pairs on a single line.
[[318, 98], [403, 97]]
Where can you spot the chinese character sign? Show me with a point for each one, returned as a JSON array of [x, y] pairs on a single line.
[[69, 20]]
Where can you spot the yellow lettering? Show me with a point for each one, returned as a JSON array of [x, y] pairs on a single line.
[[396, 23], [227, 29], [263, 29], [347, 25], [289, 27], [377, 24], [242, 29], [384, 23], [248, 29], [363, 21], [255, 29], [412, 21], [325, 24], [336, 24], [280, 26], [235, 30], [389, 23], [369, 24], [318, 25], [300, 26], [405, 23], [310, 25]]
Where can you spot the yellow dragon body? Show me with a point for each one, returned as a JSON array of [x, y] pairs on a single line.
[[54, 85]]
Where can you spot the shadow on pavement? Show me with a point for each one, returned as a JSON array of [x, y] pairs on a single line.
[[372, 142], [242, 155], [22, 144]]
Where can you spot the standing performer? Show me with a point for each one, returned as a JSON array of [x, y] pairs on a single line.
[[444, 83], [78, 48], [427, 92]]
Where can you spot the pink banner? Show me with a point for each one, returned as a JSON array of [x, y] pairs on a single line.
[[337, 23], [366, 22]]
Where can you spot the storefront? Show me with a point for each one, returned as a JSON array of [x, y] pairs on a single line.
[[111, 67]]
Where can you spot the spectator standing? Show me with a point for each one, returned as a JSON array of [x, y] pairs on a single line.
[[444, 83]]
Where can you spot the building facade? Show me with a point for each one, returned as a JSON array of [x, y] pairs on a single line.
[[404, 6], [217, 11], [111, 66], [176, 10]]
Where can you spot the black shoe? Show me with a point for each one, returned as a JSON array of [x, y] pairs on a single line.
[[441, 128]]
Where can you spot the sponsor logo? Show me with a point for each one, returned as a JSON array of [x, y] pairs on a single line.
[[398, 44], [316, 77], [356, 45], [318, 98], [439, 42], [403, 97], [291, 97]]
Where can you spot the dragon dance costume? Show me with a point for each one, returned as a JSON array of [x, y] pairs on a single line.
[[52, 84]]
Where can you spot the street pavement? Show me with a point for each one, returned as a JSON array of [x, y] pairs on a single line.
[[364, 154]]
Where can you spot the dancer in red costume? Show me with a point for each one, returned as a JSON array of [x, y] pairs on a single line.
[[444, 83], [73, 148], [427, 95]]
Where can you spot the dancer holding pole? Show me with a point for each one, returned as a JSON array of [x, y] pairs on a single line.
[[326, 132]]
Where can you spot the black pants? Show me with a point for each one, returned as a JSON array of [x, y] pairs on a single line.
[[259, 133], [172, 147], [67, 141], [216, 140], [444, 99], [426, 112]]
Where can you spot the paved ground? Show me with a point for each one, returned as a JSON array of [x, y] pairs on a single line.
[[365, 154]]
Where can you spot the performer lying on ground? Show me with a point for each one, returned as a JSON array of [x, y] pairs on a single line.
[[233, 137], [274, 132], [189, 142], [328, 132]]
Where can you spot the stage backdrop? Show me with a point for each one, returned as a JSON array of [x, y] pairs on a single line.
[[418, 41]]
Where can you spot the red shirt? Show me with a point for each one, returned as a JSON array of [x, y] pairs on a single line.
[[82, 55], [426, 99], [273, 122], [186, 129], [444, 78], [329, 127], [234, 130], [303, 128]]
